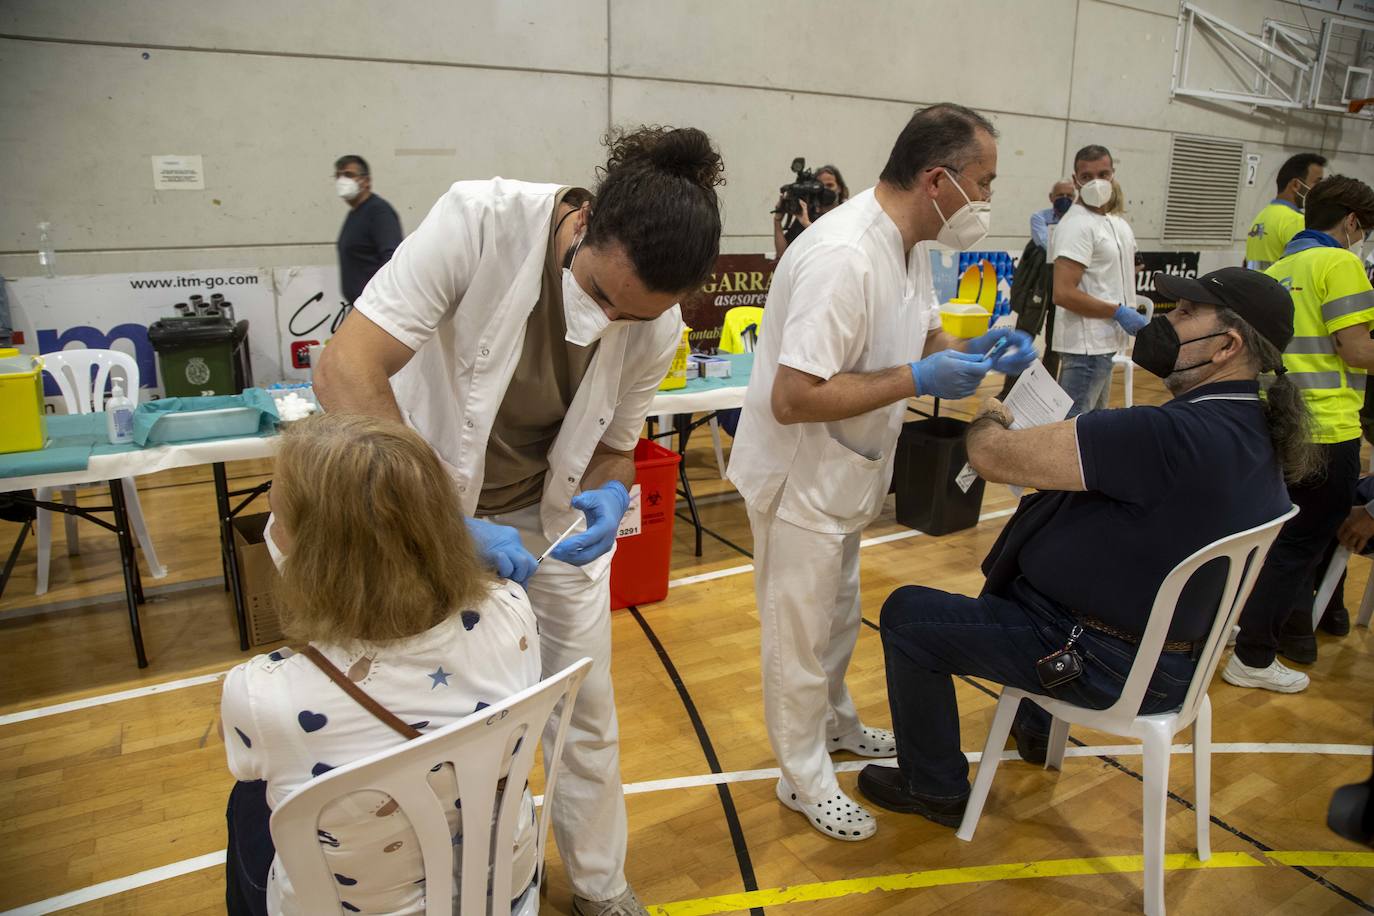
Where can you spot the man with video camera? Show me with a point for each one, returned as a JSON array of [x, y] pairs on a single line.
[[810, 195]]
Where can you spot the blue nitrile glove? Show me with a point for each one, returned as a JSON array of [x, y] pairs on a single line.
[[950, 373], [502, 550], [1016, 354], [604, 507], [1130, 320]]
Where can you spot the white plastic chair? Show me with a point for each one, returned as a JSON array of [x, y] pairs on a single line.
[[71, 369], [1339, 560], [1124, 359], [1245, 553], [478, 750]]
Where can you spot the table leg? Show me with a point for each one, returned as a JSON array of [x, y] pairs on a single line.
[[229, 553], [684, 426], [14, 556], [129, 562]]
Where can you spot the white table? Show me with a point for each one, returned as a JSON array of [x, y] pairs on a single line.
[[110, 469], [709, 398]]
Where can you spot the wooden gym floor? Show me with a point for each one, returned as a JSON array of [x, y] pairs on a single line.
[[114, 803]]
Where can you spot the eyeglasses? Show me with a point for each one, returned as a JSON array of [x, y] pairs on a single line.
[[984, 185]]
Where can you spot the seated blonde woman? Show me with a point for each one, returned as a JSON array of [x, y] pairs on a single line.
[[380, 576]]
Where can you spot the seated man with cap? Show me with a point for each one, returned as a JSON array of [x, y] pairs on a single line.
[[1125, 495]]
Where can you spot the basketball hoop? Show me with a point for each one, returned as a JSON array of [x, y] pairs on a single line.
[[1357, 104]]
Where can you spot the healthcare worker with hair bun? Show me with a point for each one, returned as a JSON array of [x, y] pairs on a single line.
[[850, 332], [523, 330]]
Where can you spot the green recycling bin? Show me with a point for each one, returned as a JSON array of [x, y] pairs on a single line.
[[201, 356]]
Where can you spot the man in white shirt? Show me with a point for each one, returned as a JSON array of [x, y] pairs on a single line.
[[851, 332], [1093, 252], [523, 330]]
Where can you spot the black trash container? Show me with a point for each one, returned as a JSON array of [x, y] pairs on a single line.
[[202, 356], [930, 456]]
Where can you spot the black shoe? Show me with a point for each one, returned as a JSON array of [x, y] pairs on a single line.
[[1299, 649], [1031, 747], [885, 787], [1336, 621]]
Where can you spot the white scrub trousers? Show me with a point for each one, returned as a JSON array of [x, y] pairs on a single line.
[[807, 586], [574, 614]]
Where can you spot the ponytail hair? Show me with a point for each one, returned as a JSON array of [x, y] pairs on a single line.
[[656, 197], [1285, 412]]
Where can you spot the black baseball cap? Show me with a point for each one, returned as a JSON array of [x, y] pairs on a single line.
[[1258, 298]]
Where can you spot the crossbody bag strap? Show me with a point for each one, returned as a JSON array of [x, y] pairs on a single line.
[[386, 716]]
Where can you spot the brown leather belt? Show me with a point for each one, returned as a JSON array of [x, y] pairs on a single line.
[[1092, 623]]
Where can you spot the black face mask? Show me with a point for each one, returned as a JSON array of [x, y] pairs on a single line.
[[1157, 346]]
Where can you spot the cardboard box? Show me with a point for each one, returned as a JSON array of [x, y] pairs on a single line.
[[713, 366], [257, 580]]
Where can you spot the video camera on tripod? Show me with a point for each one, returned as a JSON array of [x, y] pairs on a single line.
[[806, 187]]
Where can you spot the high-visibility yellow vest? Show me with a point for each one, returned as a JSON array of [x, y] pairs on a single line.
[[1330, 292], [1270, 233]]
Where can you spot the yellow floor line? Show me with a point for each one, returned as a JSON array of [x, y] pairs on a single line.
[[1335, 859], [1051, 868]]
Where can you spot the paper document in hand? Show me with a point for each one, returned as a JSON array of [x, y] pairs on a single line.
[[1037, 399]]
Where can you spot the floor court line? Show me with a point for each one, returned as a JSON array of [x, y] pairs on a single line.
[[104, 698], [798, 893], [119, 885], [1052, 868], [86, 703]]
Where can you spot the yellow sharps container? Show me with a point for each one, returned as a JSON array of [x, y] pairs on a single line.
[[22, 421], [677, 371]]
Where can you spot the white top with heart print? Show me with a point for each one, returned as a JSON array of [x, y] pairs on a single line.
[[286, 722]]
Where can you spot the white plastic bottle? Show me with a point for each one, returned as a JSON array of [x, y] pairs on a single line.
[[47, 257], [119, 417]]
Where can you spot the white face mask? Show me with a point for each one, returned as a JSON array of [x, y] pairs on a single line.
[[1358, 246], [968, 226], [1096, 193], [346, 187], [278, 558], [585, 319], [1302, 195]]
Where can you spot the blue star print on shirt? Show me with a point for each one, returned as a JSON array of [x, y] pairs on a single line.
[[440, 676]]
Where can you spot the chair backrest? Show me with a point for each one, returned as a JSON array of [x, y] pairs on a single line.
[[1244, 554], [83, 375], [734, 325], [478, 750]]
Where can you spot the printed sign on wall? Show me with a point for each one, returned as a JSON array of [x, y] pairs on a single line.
[[113, 311], [310, 308], [178, 173], [736, 279]]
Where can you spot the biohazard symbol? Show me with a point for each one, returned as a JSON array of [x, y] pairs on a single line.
[[654, 498], [197, 373]]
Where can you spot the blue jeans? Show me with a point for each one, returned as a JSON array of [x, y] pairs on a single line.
[[930, 635], [1086, 379]]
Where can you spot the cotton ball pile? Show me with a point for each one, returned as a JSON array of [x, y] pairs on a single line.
[[294, 407]]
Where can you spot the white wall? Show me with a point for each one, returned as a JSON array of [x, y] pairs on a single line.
[[270, 93]]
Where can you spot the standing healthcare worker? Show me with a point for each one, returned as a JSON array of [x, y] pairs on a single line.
[[852, 332], [523, 330]]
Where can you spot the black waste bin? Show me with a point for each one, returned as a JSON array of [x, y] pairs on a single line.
[[201, 356], [930, 456]]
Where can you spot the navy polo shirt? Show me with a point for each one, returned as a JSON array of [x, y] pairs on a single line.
[[1162, 483], [370, 234]]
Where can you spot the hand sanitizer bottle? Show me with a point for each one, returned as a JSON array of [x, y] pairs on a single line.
[[119, 417]]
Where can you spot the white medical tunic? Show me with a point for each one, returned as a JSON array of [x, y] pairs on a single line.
[[1105, 246], [845, 298], [459, 292]]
